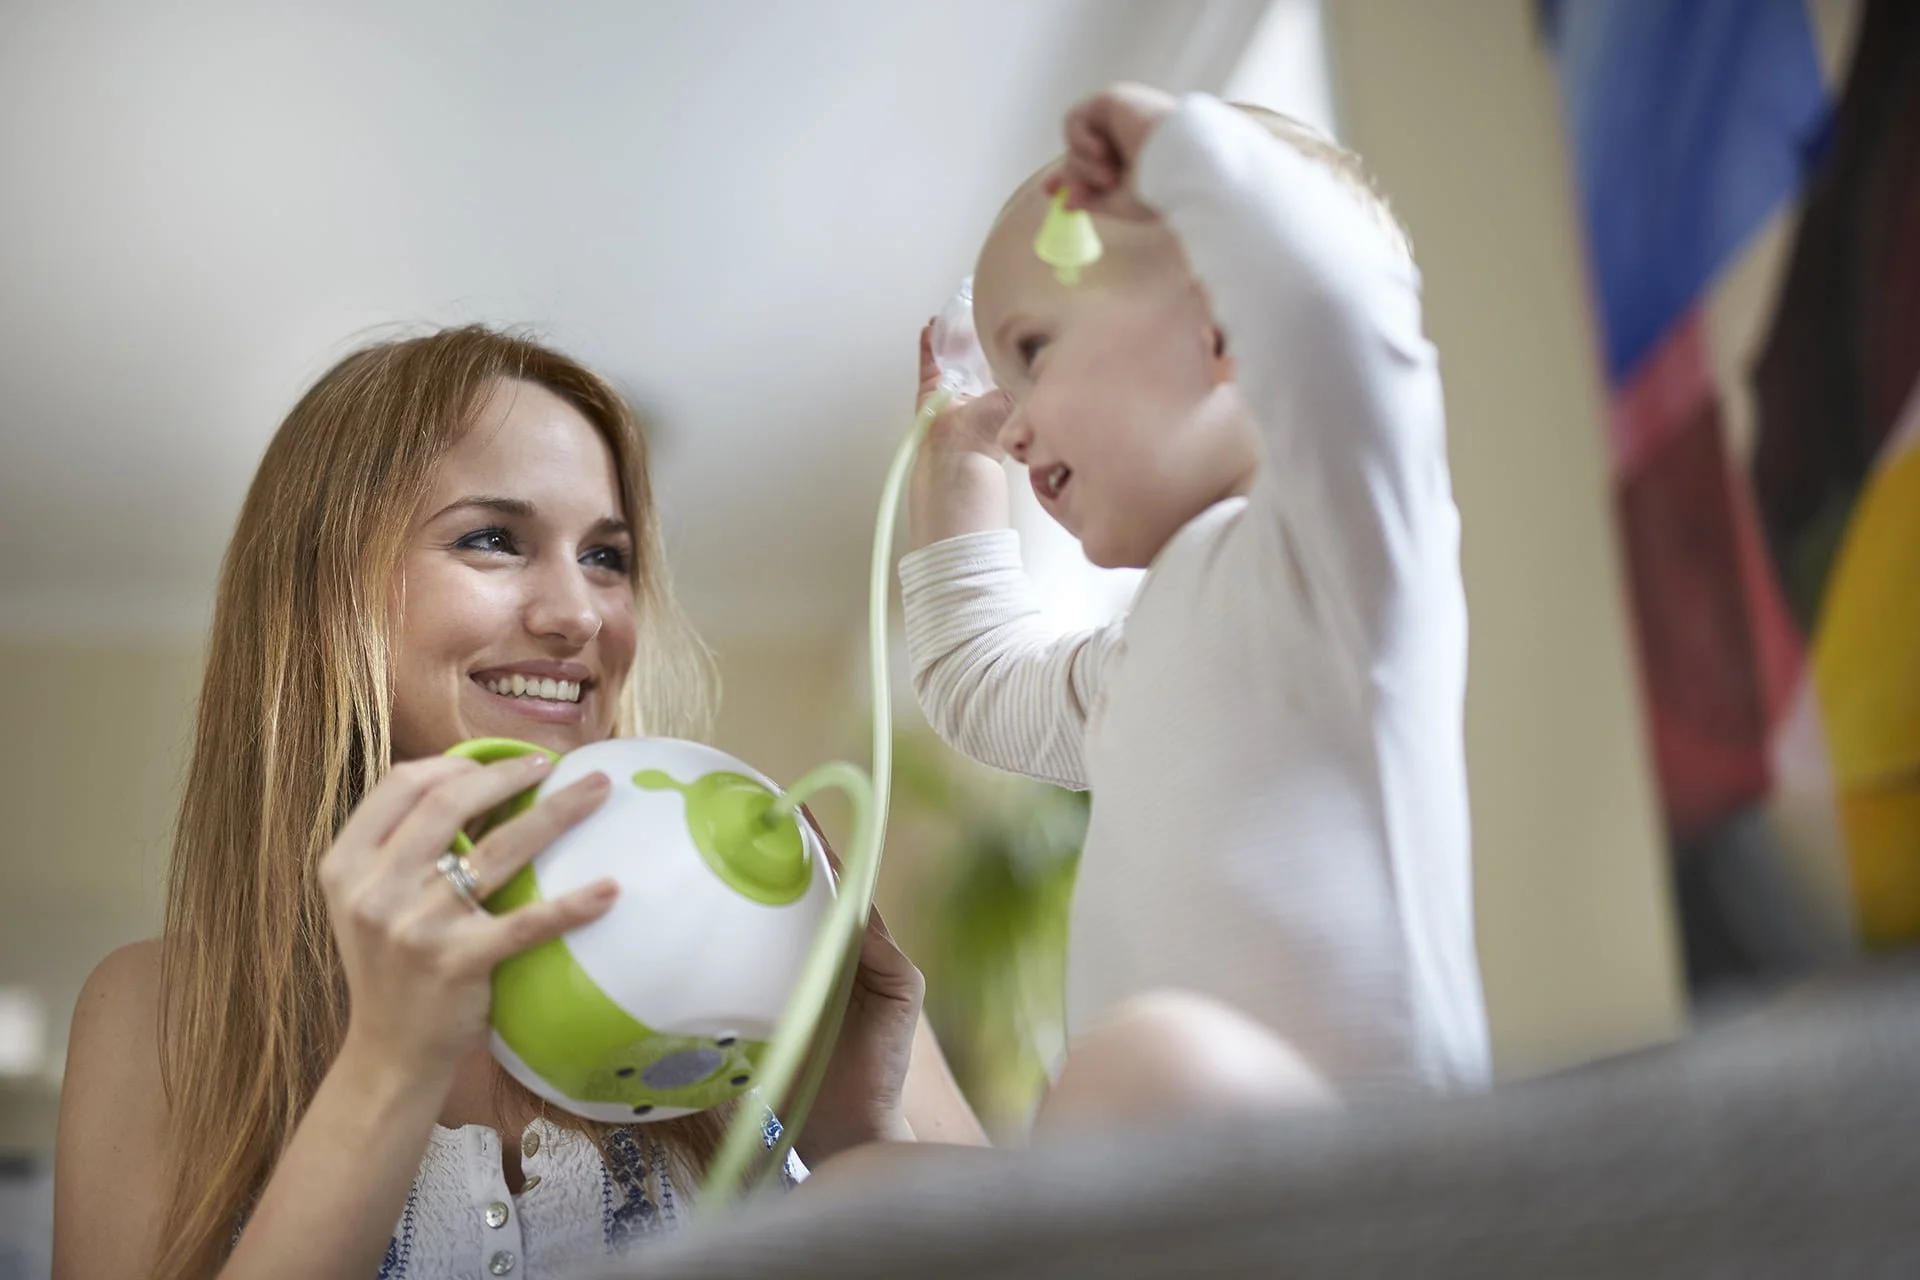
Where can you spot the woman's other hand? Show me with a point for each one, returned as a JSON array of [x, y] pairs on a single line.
[[862, 1095]]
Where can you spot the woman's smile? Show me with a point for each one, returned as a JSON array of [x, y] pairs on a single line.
[[543, 690]]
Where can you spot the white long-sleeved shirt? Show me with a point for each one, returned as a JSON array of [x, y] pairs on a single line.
[[1273, 734]]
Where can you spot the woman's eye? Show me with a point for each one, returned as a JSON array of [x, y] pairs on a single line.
[[496, 541], [1029, 349], [612, 559]]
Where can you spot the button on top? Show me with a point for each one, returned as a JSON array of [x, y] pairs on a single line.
[[497, 1214], [530, 1144], [501, 1263]]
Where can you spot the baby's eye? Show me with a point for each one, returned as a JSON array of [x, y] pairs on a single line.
[[495, 540], [1029, 349]]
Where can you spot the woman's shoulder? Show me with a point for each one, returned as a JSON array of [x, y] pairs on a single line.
[[113, 1046], [132, 961], [110, 1161], [122, 994]]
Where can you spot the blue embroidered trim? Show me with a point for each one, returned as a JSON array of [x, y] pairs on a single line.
[[789, 1168], [627, 1212], [634, 1214], [400, 1247], [663, 1178]]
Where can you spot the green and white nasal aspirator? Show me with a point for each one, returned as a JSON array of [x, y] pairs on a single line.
[[724, 967]]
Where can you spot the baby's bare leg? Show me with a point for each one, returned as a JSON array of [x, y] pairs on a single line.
[[1159, 1057], [860, 1170], [1168, 1054]]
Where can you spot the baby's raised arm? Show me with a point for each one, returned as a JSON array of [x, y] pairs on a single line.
[[1321, 308]]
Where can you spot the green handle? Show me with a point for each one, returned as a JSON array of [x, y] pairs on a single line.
[[491, 751]]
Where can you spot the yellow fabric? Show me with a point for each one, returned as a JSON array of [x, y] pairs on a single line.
[[1866, 669]]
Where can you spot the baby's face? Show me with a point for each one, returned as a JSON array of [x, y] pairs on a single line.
[[1125, 414]]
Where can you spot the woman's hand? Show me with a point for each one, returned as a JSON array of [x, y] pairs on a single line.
[[417, 956], [861, 1097]]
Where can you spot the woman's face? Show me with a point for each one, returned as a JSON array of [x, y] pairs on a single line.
[[515, 608]]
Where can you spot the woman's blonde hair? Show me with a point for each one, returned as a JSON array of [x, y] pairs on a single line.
[[294, 728]]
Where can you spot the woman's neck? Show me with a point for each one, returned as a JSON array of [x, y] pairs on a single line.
[[476, 1097]]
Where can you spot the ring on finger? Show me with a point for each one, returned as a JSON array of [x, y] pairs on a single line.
[[459, 874]]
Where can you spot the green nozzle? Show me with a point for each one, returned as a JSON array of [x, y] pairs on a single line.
[[728, 815], [1067, 241]]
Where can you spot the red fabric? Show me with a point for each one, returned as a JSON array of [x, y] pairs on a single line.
[[1719, 652], [1661, 397]]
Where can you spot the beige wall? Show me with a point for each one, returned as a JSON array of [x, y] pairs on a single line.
[[95, 738], [1453, 104], [787, 706]]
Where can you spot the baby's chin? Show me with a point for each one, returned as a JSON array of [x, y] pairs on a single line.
[[1115, 553]]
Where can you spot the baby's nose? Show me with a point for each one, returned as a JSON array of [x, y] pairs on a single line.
[[1015, 439]]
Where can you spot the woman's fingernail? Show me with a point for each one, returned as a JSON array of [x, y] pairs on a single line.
[[538, 760], [606, 891]]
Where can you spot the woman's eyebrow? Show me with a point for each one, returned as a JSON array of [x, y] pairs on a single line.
[[521, 509], [517, 507]]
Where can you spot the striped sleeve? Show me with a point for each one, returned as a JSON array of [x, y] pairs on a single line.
[[994, 680]]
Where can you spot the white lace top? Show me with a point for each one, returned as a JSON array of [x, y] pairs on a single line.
[[461, 1222]]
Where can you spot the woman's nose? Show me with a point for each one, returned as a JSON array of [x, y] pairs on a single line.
[[563, 607]]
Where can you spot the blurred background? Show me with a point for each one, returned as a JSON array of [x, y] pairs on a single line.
[[742, 210]]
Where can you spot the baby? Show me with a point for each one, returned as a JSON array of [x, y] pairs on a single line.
[[1237, 397]]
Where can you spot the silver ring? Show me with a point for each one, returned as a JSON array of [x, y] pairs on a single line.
[[459, 874]]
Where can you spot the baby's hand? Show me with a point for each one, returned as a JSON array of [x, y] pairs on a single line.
[[1104, 137], [969, 424], [958, 486]]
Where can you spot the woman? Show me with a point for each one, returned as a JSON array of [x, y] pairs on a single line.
[[300, 1062]]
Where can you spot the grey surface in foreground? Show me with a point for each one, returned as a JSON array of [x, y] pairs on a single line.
[[1785, 1145]]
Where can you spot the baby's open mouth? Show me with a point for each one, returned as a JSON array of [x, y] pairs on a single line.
[[1051, 481]]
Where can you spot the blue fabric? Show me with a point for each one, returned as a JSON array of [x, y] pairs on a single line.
[[1691, 121]]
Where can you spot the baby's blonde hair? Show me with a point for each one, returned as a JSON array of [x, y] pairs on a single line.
[[1345, 166]]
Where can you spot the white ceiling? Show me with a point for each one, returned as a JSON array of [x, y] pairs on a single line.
[[740, 210]]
